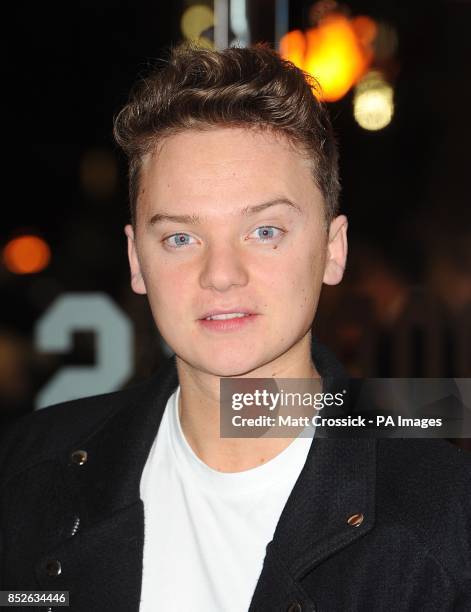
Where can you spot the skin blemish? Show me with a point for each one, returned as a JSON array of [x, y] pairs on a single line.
[[275, 246]]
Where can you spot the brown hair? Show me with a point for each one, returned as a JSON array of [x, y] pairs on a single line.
[[252, 87]]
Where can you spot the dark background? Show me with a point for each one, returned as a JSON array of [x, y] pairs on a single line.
[[68, 70]]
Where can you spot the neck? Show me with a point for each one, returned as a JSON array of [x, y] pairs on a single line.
[[200, 412]]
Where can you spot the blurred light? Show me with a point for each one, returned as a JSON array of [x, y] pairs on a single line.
[[238, 22], [337, 52], [373, 105], [99, 173], [365, 29], [293, 47], [221, 24], [26, 255], [195, 20]]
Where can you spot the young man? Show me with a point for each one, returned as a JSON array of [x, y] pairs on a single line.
[[133, 501]]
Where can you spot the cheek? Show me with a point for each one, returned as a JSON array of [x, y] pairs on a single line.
[[167, 289], [303, 277], [291, 279]]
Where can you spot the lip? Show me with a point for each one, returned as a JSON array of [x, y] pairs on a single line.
[[228, 325], [238, 309]]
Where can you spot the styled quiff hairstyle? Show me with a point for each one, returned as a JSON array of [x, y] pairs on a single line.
[[251, 87]]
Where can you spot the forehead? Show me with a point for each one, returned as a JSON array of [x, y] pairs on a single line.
[[219, 168]]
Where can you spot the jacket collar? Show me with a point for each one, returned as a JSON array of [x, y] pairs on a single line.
[[118, 450]]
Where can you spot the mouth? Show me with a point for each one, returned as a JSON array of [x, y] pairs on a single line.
[[226, 316], [227, 321]]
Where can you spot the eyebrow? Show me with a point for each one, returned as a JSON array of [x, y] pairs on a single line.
[[247, 211]]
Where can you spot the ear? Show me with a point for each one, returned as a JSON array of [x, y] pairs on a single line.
[[336, 251], [137, 281]]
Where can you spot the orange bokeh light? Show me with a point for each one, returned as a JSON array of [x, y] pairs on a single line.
[[26, 255], [337, 53]]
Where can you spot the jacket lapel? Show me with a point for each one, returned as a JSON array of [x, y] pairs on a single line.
[[117, 452], [336, 484]]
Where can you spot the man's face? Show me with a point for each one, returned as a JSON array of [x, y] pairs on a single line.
[[231, 248]]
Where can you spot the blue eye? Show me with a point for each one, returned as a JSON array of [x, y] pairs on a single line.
[[178, 240], [267, 232]]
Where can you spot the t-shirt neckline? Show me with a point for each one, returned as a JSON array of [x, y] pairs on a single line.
[[273, 471]]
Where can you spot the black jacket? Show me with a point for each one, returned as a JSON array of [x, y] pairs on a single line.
[[73, 520]]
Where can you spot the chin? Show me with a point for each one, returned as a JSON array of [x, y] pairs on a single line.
[[225, 364], [231, 367], [232, 371]]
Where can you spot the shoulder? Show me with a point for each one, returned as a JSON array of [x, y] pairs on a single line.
[[423, 489], [417, 464], [44, 434]]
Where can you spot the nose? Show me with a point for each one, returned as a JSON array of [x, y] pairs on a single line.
[[223, 268]]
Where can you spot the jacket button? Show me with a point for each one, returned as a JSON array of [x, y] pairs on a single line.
[[294, 607], [53, 567], [355, 520], [75, 526], [79, 457]]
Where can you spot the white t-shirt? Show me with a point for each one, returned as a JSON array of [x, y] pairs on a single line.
[[204, 529]]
